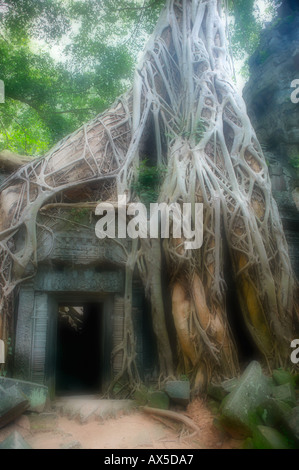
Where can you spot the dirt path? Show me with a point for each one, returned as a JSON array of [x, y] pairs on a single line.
[[133, 431]]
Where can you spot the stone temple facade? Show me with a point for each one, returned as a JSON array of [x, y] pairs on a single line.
[[70, 315], [273, 68]]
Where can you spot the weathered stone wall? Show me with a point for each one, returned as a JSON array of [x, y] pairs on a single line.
[[273, 67], [75, 266]]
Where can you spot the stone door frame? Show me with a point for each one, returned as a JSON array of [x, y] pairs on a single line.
[[36, 327]]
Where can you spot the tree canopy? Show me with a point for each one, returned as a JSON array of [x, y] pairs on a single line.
[[96, 44]]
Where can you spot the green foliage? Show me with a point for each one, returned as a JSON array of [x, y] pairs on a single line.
[[46, 97], [22, 130], [184, 378], [148, 182], [245, 25], [197, 132], [97, 42], [200, 129], [294, 161]]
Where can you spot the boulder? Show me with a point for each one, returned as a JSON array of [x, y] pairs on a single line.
[[221, 390], [291, 425], [178, 391], [239, 410], [274, 412], [12, 404], [265, 437], [158, 400], [285, 393], [14, 441], [153, 399], [141, 396], [35, 393], [281, 377]]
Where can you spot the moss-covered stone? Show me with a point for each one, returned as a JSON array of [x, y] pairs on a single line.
[[178, 391], [290, 426], [36, 394], [221, 390], [285, 393], [240, 408], [248, 443], [12, 404], [265, 437], [141, 396], [14, 441], [155, 399], [158, 400], [281, 377], [274, 412]]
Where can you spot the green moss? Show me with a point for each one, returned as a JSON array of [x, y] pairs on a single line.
[[79, 215], [148, 182], [294, 161]]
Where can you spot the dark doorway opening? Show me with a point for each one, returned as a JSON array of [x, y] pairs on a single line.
[[246, 347], [79, 352]]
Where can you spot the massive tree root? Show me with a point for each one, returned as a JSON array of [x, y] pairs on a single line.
[[185, 113]]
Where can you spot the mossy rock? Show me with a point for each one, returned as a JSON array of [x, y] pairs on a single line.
[[141, 396], [248, 443], [265, 437], [290, 426], [281, 377], [14, 441], [155, 399], [221, 390], [239, 410], [178, 391], [274, 412], [285, 393], [158, 400]]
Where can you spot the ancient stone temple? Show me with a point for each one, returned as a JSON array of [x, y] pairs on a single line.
[[70, 315], [61, 285], [273, 68]]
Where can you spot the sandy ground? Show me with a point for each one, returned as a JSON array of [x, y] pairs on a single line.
[[132, 431]]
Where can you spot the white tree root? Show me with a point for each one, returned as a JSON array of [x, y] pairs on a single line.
[[174, 416]]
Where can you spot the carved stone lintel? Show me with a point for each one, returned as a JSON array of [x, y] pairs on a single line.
[[78, 280]]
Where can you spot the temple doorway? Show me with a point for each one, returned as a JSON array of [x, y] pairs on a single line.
[[79, 348]]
